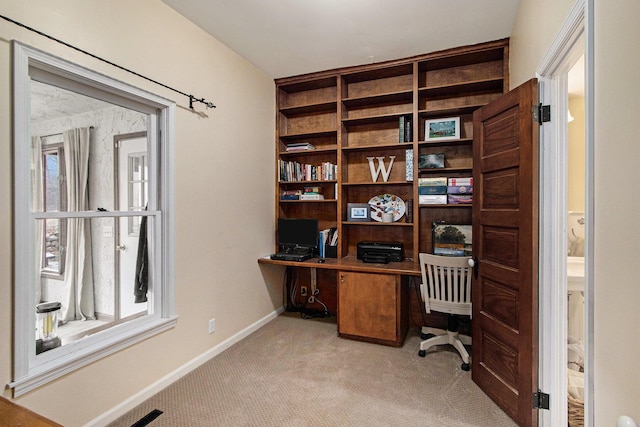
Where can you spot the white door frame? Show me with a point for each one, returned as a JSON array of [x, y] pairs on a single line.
[[573, 40]]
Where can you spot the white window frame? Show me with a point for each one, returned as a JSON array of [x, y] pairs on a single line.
[[31, 370]]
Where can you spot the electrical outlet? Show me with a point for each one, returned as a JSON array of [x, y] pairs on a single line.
[[303, 291], [212, 325]]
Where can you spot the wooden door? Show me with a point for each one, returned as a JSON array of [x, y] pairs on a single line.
[[505, 245]]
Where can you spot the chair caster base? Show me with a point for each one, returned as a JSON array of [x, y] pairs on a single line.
[[465, 367], [422, 353], [424, 336]]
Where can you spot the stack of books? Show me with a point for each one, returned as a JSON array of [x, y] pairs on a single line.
[[432, 191], [300, 146], [460, 190], [311, 193], [291, 195]]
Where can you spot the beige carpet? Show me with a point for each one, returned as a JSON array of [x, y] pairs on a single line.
[[296, 372]]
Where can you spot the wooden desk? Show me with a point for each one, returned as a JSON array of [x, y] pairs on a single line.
[[351, 263], [372, 299]]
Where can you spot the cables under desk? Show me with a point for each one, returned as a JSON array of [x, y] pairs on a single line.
[[292, 288]]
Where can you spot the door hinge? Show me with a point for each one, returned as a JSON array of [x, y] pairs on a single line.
[[540, 400], [541, 113]]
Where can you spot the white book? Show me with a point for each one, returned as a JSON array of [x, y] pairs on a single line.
[[432, 199], [311, 197]]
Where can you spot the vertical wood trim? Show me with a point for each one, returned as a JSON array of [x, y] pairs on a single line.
[[415, 148], [340, 204]]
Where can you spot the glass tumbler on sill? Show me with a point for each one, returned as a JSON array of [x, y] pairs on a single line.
[[47, 326]]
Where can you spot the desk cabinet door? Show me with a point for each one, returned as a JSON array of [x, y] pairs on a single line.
[[368, 307]]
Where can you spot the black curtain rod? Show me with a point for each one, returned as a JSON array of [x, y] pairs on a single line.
[[192, 98]]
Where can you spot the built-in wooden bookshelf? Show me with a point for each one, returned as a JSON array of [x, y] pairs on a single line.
[[344, 118], [351, 114]]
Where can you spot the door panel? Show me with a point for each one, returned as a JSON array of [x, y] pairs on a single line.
[[505, 243], [131, 185]]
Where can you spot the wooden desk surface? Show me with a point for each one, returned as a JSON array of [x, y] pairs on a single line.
[[351, 263]]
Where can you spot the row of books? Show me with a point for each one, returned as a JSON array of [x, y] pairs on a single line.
[[294, 171], [405, 129], [443, 190]]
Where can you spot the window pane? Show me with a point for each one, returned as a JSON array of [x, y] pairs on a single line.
[[113, 277], [137, 185], [51, 182], [53, 245]]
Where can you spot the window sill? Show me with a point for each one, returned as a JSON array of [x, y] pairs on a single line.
[[59, 367]]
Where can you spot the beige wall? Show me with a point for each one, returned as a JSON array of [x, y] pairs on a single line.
[[224, 186], [617, 234], [536, 25]]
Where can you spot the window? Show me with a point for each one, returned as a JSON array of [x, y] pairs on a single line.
[[54, 194], [73, 228]]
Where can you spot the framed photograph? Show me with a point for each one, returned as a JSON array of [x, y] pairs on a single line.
[[452, 239], [431, 161], [358, 212], [442, 129]]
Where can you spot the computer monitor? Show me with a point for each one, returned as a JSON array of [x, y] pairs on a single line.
[[298, 232]]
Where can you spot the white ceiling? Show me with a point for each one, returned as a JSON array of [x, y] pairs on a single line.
[[291, 37]]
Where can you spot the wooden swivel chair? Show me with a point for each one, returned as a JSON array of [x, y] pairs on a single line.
[[446, 288]]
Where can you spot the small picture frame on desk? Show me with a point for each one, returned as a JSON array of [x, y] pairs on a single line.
[[442, 129], [358, 212]]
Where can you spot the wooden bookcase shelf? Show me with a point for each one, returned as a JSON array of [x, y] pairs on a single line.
[[310, 134], [352, 117], [377, 224], [369, 184], [308, 182], [461, 141], [444, 170], [328, 148], [381, 118], [400, 97], [309, 201], [489, 84], [435, 206]]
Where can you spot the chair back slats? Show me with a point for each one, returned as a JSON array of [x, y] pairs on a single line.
[[446, 284]]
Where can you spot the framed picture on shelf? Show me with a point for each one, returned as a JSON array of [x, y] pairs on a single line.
[[452, 239], [358, 212], [442, 129]]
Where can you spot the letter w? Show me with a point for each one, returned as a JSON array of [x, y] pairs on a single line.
[[381, 167]]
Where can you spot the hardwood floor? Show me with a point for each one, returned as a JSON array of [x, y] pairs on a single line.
[[15, 415]]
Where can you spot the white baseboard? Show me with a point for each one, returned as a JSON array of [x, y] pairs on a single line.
[[124, 407]]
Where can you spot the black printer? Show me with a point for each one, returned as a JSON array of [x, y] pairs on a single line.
[[380, 252]]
